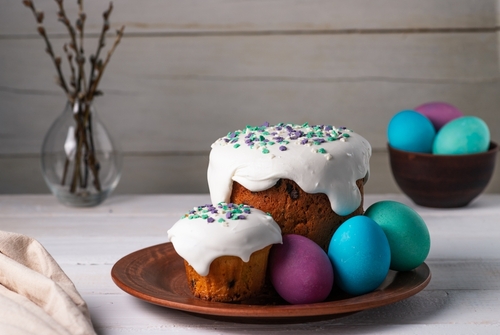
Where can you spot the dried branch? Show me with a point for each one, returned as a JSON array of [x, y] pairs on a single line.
[[39, 16], [79, 56], [69, 56], [101, 66], [94, 59]]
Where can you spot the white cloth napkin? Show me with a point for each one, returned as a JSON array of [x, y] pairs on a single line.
[[36, 296]]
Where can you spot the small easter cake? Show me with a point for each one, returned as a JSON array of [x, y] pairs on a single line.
[[225, 248], [308, 177]]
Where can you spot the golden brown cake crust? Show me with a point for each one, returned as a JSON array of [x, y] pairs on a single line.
[[230, 279], [296, 211]]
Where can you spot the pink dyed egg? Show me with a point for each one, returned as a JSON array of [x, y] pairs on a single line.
[[439, 113], [300, 270]]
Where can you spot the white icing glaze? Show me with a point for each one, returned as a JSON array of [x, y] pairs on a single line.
[[333, 170], [203, 235]]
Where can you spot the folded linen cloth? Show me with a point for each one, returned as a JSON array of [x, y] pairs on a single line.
[[36, 296]]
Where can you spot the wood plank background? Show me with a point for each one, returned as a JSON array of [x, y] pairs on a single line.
[[187, 72]]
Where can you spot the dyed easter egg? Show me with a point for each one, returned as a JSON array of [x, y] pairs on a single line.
[[360, 255], [300, 270], [439, 113], [462, 136], [411, 131], [406, 232]]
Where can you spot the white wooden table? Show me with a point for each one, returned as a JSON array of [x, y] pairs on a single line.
[[463, 296]]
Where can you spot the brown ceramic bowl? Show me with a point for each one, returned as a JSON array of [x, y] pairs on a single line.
[[442, 181]]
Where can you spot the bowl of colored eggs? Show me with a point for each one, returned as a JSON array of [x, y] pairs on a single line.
[[440, 157]]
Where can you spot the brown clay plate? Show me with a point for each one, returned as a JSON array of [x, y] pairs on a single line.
[[156, 275]]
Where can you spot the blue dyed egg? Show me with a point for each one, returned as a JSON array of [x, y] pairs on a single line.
[[409, 130], [462, 136], [406, 231], [360, 255]]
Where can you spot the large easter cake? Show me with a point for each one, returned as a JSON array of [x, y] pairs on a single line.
[[309, 178]]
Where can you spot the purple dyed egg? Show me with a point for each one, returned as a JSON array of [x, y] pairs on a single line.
[[300, 270], [439, 113]]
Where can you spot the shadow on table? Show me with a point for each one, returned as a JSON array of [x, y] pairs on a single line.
[[420, 309]]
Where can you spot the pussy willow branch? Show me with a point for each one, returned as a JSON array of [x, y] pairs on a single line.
[[69, 55], [94, 59], [57, 60], [101, 66], [79, 55]]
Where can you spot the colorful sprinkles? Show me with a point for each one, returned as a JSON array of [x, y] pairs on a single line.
[[283, 134], [220, 213]]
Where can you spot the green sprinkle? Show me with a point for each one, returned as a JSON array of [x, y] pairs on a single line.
[[322, 151], [346, 135], [330, 139], [236, 146], [204, 216], [221, 220], [265, 151]]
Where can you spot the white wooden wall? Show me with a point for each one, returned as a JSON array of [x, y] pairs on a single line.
[[189, 71]]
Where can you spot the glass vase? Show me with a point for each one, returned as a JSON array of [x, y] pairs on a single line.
[[81, 163]]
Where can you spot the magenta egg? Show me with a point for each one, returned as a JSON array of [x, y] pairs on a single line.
[[300, 270], [439, 113]]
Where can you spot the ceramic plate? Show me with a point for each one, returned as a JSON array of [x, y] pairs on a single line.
[[156, 275]]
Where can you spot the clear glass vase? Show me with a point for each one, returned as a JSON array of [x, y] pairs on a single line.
[[81, 163]]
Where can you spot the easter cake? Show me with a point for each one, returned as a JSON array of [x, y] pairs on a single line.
[[308, 177], [225, 248]]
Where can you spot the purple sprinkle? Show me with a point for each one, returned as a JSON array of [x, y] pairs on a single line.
[[304, 141], [289, 128], [319, 140], [296, 134], [234, 140], [279, 128], [246, 210], [249, 135], [328, 127], [210, 220], [192, 211], [241, 217], [228, 215], [265, 124], [282, 148], [232, 135], [226, 139], [278, 139]]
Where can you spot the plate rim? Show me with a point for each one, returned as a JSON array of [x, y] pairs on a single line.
[[374, 299]]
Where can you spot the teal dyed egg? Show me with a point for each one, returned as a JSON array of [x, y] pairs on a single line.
[[462, 136], [409, 130], [406, 232], [360, 255]]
